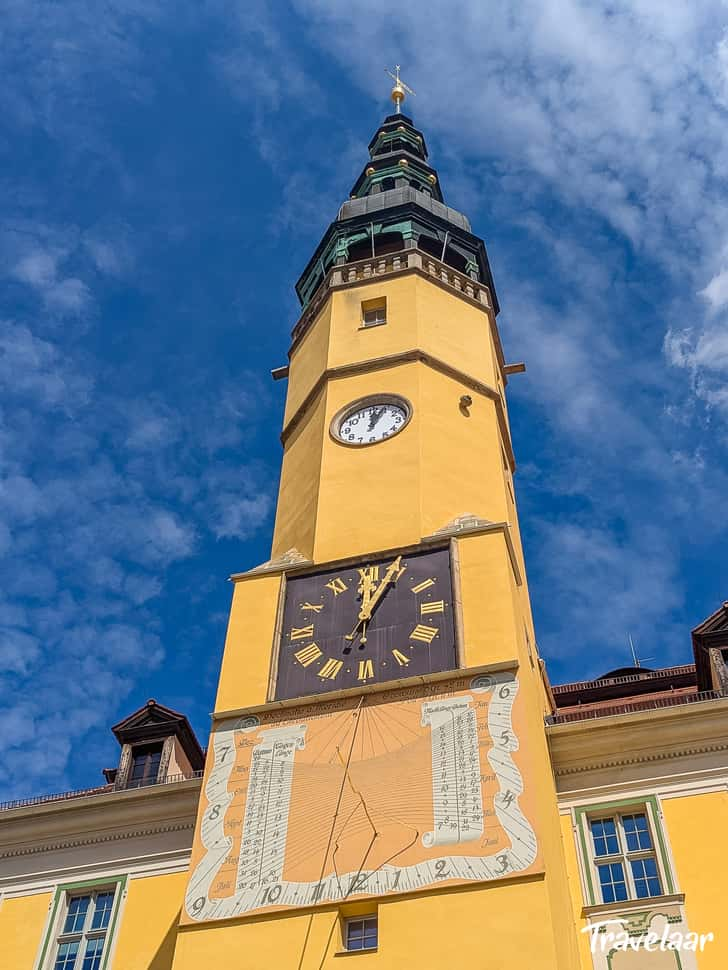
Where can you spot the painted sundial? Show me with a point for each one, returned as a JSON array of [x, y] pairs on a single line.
[[370, 795]]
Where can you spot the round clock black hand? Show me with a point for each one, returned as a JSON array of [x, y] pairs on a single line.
[[374, 417]]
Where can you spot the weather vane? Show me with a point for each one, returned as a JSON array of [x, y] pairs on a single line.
[[399, 90]]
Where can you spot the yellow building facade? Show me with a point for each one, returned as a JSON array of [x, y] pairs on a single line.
[[390, 776]]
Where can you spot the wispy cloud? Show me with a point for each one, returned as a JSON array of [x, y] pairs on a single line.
[[89, 526]]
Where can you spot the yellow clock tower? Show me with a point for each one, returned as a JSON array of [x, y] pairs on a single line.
[[378, 781]]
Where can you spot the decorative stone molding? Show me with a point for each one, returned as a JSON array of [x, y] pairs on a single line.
[[467, 522], [643, 758], [122, 774], [639, 746], [97, 839], [291, 559], [167, 749]]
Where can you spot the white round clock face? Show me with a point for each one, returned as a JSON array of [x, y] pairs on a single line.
[[370, 421]]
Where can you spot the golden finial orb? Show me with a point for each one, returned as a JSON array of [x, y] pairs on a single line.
[[400, 90]]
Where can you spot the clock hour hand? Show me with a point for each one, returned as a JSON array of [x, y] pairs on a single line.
[[394, 571], [374, 418]]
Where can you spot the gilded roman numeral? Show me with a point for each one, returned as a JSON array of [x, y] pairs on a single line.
[[401, 658], [336, 586], [425, 633], [331, 668], [313, 607], [436, 606], [300, 633], [369, 572], [307, 655], [425, 584], [366, 670]]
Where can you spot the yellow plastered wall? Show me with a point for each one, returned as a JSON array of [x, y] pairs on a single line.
[[22, 927], [148, 923], [336, 501], [484, 926], [494, 613], [298, 493], [695, 829], [246, 661], [308, 360], [576, 897]]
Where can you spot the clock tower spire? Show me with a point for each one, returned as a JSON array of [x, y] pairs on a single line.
[[397, 346], [378, 776]]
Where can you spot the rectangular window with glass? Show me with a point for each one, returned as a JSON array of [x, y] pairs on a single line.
[[81, 926], [145, 760], [361, 934], [624, 856], [374, 312]]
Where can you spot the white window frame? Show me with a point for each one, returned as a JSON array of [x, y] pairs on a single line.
[[55, 935], [360, 919], [624, 855], [380, 314]]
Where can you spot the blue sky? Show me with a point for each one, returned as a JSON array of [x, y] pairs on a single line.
[[168, 170]]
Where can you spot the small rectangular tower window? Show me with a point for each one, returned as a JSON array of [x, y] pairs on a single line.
[[624, 856], [361, 933], [374, 312]]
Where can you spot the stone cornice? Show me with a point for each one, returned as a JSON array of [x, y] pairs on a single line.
[[639, 738], [32, 849], [99, 818]]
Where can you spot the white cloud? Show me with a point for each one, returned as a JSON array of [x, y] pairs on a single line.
[[88, 531], [604, 588]]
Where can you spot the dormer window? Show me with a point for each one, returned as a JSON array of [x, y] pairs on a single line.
[[145, 759], [158, 745]]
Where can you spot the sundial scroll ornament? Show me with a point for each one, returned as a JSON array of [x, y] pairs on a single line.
[[432, 793]]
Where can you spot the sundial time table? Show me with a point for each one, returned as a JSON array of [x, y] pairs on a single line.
[[382, 793]]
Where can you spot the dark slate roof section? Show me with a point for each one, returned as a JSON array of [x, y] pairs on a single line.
[[391, 123], [394, 197]]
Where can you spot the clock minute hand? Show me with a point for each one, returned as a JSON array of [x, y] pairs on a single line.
[[394, 571], [374, 418]]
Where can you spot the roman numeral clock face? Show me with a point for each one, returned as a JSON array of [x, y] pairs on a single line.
[[378, 621]]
